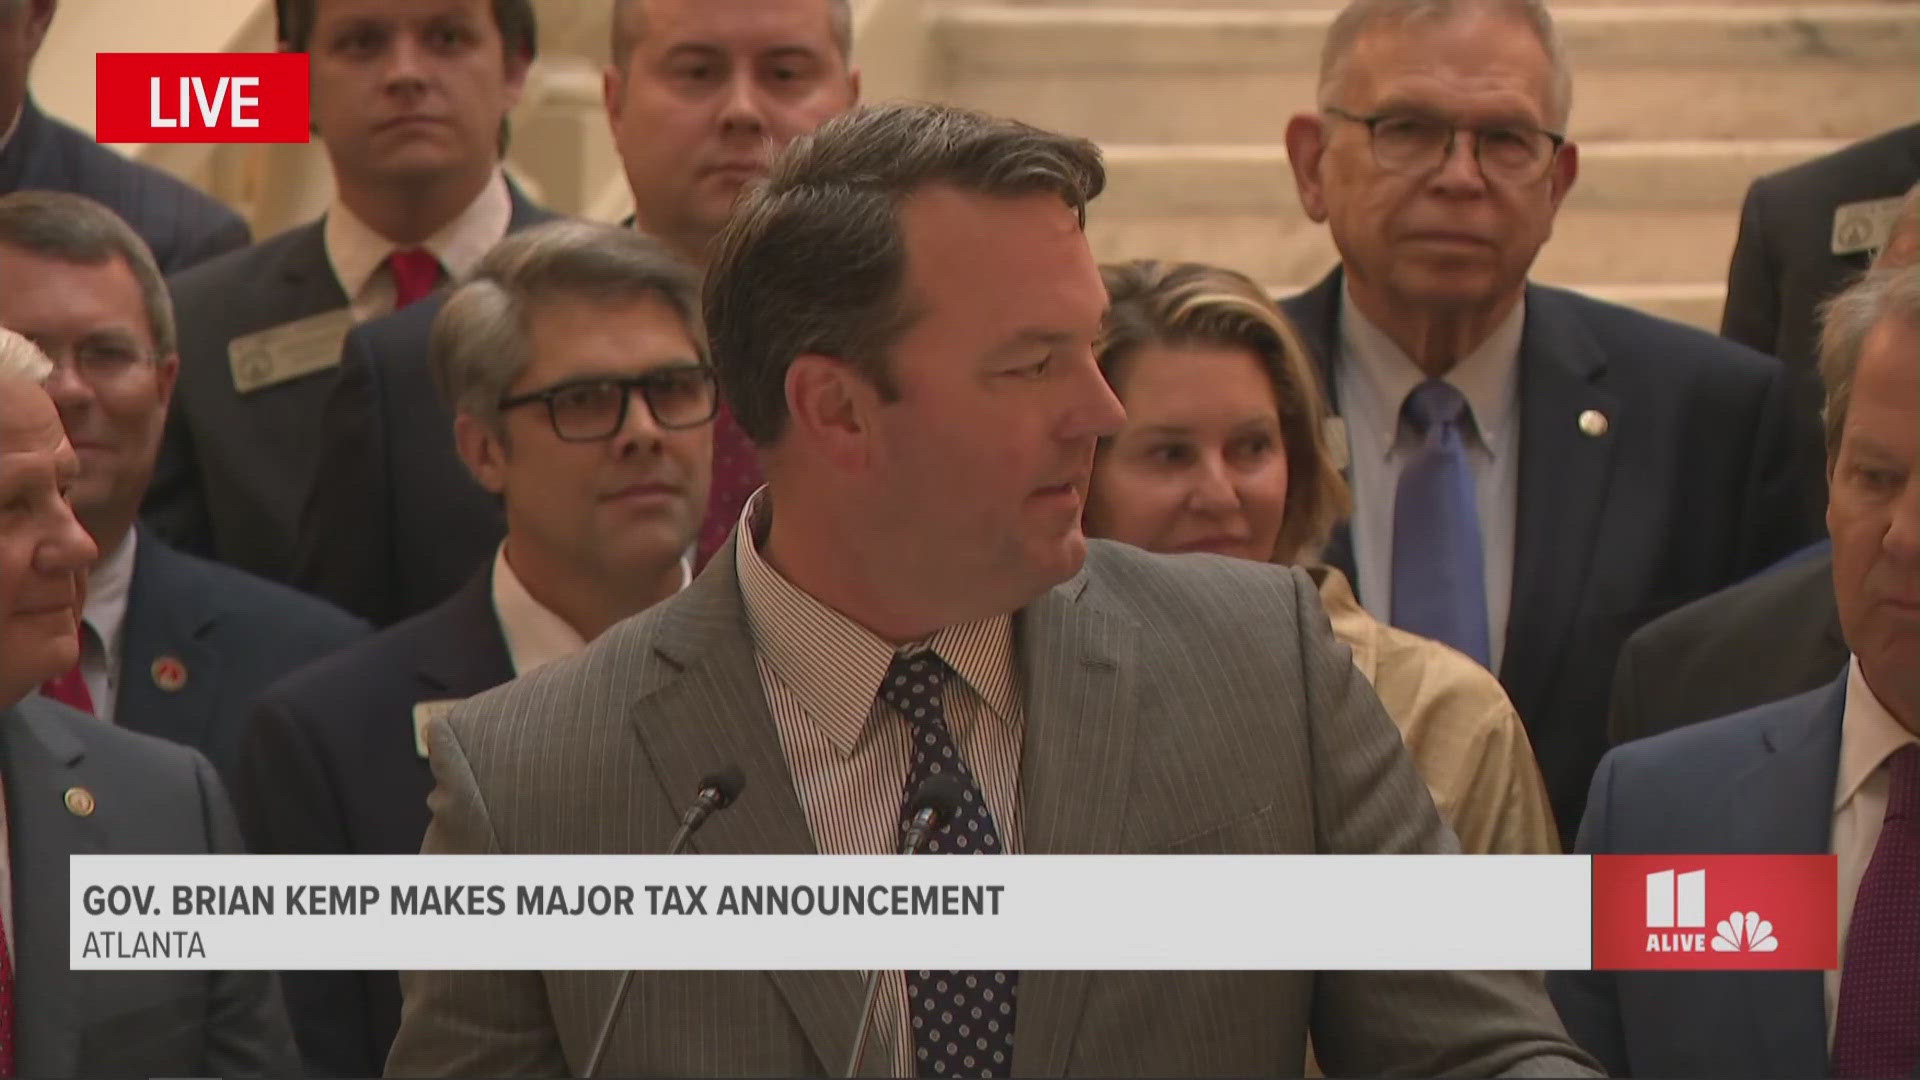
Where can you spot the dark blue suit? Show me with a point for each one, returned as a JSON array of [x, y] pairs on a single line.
[[330, 767], [232, 634], [1690, 489], [182, 224], [1759, 782]]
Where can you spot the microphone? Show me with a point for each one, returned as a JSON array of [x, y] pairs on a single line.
[[717, 791], [935, 802]]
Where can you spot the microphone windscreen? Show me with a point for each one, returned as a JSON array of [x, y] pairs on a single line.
[[941, 792], [727, 783]]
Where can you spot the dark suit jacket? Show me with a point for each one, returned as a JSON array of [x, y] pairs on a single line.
[[182, 224], [234, 468], [330, 768], [1690, 489], [234, 635], [1173, 705], [151, 798], [1772, 636], [1755, 783]]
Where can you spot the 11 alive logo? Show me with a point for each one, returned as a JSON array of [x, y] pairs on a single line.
[[1715, 912], [201, 97]]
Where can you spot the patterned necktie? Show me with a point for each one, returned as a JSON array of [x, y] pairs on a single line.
[[416, 272], [962, 1020], [736, 474], [1876, 1030], [1439, 574]]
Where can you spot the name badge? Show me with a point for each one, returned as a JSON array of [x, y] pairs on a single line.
[[1864, 226], [288, 351], [425, 713]]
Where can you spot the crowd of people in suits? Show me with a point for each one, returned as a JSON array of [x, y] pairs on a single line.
[[445, 523]]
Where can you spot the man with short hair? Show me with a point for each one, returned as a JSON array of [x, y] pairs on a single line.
[[1535, 473], [410, 101], [577, 372], [76, 786], [1832, 771], [699, 94], [912, 591], [181, 224], [171, 645]]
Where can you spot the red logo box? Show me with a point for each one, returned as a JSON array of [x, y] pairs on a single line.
[[1715, 913], [201, 97]]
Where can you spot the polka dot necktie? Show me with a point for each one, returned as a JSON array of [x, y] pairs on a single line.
[[962, 1020], [1876, 1028]]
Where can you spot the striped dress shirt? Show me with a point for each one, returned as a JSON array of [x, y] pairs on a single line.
[[847, 751]]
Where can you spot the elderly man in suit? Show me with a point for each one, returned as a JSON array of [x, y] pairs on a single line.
[[913, 579], [699, 94], [182, 225], [1535, 473], [1835, 770], [411, 102], [76, 786], [171, 645], [600, 458]]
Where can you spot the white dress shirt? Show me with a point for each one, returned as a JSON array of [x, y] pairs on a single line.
[[106, 616], [534, 633], [12, 126], [358, 254], [1869, 735], [1373, 378]]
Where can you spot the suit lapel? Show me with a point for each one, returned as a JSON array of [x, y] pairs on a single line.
[[1076, 769], [40, 759], [1316, 315], [526, 213], [167, 618], [709, 711], [308, 275], [1563, 488], [467, 653]]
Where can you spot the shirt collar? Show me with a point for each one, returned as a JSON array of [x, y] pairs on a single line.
[[357, 252], [535, 633], [108, 584], [1488, 377], [793, 631], [13, 128], [1868, 736]]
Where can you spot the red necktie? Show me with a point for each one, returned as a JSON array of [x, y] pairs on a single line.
[[415, 274], [736, 474], [6, 1005], [1876, 1029], [69, 688]]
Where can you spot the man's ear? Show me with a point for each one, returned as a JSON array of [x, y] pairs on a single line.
[[830, 406], [1566, 169], [1306, 152], [483, 450], [39, 17], [166, 371]]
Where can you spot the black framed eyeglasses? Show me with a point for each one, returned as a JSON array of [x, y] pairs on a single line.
[[588, 410], [1415, 143]]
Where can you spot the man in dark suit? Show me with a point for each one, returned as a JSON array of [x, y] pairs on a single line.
[[335, 759], [172, 645], [411, 102], [182, 225], [914, 576], [1535, 473], [389, 479], [74, 786], [1834, 770]]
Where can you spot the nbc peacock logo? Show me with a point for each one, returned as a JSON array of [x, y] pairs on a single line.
[[1744, 931]]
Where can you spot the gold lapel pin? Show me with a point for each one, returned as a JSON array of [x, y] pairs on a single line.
[[79, 802], [169, 673], [1593, 422]]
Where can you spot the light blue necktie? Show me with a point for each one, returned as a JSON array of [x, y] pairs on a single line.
[[1439, 572]]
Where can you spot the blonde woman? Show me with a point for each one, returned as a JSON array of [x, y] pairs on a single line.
[[1224, 451]]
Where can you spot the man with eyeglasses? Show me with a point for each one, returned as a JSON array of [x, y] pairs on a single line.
[[170, 644], [576, 369], [1535, 473]]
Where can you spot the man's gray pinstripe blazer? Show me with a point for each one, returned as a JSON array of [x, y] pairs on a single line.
[[1174, 704]]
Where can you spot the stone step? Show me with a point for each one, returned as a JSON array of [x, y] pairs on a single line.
[[1599, 247], [1147, 179], [1234, 74]]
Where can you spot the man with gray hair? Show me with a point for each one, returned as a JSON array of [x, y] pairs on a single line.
[[905, 316], [1835, 770], [575, 367], [1535, 473], [170, 644], [76, 786]]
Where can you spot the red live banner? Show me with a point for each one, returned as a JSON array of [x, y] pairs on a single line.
[[1715, 913], [201, 97]]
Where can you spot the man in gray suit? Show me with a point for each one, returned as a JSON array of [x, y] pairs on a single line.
[[912, 588], [76, 786]]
